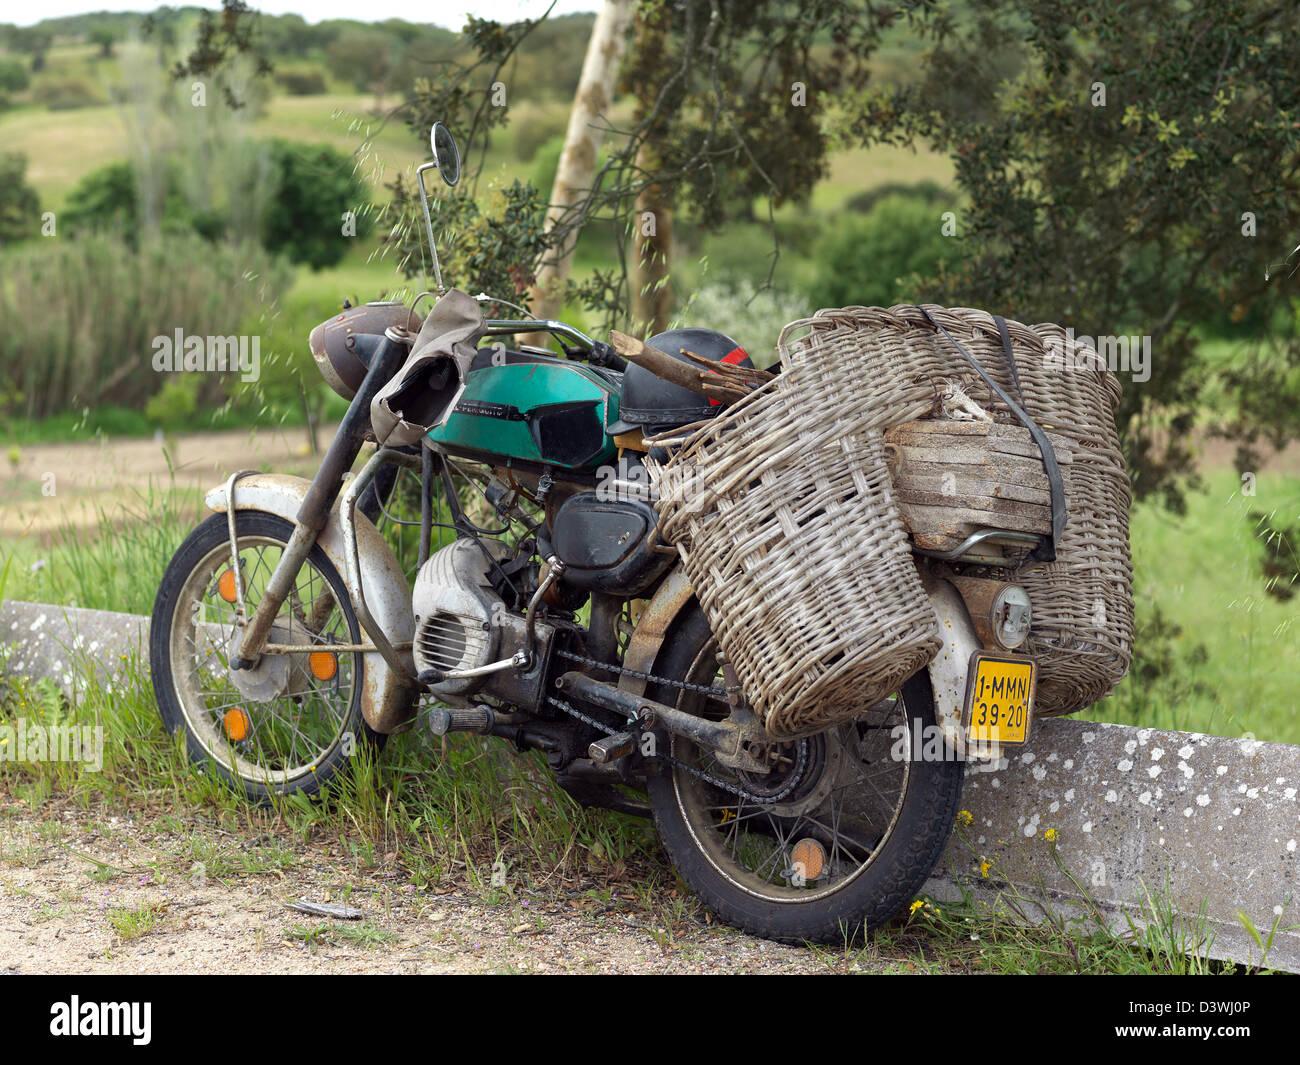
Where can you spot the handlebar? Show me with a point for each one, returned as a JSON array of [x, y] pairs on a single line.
[[598, 352]]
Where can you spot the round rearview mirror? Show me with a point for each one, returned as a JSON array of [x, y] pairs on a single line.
[[446, 156]]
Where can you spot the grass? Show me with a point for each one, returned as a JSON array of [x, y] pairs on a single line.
[[363, 934], [1234, 663], [435, 815], [114, 566], [134, 923]]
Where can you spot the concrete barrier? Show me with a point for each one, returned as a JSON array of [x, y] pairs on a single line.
[[71, 646], [1116, 821], [1089, 821]]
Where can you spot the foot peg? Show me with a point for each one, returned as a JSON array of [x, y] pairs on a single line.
[[611, 748], [443, 719]]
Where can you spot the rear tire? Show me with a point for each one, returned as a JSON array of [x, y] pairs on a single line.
[[873, 883]]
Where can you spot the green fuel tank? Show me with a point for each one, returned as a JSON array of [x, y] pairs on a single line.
[[548, 411]]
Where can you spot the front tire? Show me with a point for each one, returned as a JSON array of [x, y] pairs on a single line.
[[856, 827], [293, 725]]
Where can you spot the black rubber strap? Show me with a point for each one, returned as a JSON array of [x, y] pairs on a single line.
[[1011, 359], [1046, 550]]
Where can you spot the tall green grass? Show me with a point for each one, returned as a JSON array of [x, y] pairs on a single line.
[[81, 314]]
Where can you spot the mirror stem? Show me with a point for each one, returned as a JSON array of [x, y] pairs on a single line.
[[428, 225]]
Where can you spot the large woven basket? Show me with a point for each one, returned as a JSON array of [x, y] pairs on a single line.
[[892, 360], [783, 514]]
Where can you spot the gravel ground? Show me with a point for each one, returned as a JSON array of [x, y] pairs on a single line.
[[117, 896]]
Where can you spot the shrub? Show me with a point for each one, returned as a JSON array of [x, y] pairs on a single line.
[[752, 316], [315, 187], [883, 257], [67, 94], [13, 76], [20, 208], [102, 302], [105, 197], [534, 128], [301, 82]]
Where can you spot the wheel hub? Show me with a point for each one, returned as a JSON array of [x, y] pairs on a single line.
[[274, 675]]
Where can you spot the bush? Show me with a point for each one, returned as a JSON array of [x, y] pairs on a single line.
[[533, 128], [883, 257], [546, 161], [13, 76], [751, 316], [67, 94], [103, 198], [301, 82], [20, 207], [315, 187], [930, 192]]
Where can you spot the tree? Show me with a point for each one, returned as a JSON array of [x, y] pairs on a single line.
[[105, 37], [362, 56], [577, 170], [20, 207], [222, 39], [1137, 176], [315, 188], [732, 105], [31, 41]]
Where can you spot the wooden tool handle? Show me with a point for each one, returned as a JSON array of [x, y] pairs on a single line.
[[704, 382]]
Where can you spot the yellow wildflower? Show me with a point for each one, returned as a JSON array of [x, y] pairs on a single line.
[[915, 906], [985, 866], [964, 817], [1050, 835]]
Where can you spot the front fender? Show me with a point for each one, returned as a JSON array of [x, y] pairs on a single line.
[[387, 703]]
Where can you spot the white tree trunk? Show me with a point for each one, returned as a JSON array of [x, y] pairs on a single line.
[[577, 167]]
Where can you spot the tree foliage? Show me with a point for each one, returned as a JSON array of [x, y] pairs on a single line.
[[20, 207], [1136, 175], [316, 187]]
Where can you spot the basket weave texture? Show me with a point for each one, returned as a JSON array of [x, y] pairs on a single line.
[[784, 515], [787, 526]]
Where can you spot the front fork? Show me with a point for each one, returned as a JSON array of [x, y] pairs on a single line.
[[314, 513]]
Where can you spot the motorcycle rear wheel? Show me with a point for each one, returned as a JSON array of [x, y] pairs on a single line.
[[858, 824]]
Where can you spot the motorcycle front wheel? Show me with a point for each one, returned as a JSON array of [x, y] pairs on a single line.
[[291, 725], [835, 840]]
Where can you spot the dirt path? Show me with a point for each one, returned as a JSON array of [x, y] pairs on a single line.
[[53, 485], [121, 896]]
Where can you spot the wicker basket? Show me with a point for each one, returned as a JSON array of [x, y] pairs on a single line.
[[893, 361], [784, 517]]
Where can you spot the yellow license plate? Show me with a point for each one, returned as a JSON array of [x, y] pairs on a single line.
[[999, 698]]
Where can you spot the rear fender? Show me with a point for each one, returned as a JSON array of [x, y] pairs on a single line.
[[387, 703], [947, 669]]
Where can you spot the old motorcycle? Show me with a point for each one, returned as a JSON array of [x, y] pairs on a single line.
[[286, 638]]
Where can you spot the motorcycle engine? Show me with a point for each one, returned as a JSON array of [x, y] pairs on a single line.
[[462, 623]]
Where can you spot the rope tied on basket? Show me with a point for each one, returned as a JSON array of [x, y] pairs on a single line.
[[1046, 550]]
